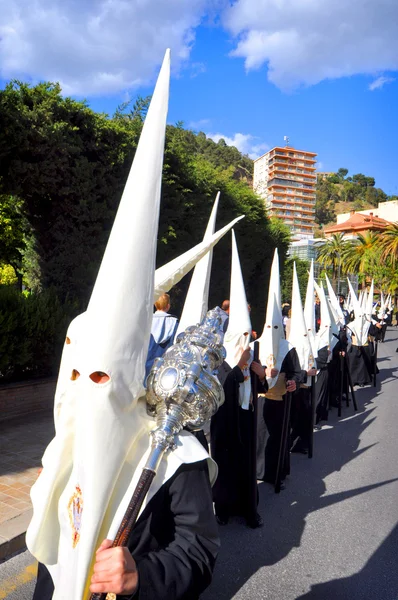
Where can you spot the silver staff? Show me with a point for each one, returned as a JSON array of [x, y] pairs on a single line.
[[183, 391]]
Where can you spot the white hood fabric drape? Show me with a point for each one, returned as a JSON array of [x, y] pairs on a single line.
[[273, 345], [360, 325], [309, 310], [92, 465], [237, 336], [197, 300], [172, 272], [335, 304], [324, 336], [298, 337]]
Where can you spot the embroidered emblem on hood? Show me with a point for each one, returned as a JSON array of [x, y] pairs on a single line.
[[75, 510]]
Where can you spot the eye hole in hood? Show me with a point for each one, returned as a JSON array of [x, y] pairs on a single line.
[[99, 377]]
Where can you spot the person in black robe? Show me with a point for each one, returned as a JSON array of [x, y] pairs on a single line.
[[322, 385], [273, 411], [336, 370], [233, 447], [174, 543], [360, 364], [301, 419]]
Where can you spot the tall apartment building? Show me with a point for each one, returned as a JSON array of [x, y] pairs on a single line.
[[286, 179]]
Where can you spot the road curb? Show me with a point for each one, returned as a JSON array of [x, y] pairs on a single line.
[[12, 534]]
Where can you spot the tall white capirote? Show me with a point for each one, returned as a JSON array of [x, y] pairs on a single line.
[[172, 272], [369, 303], [93, 464], [273, 345], [325, 336], [197, 299], [237, 336], [336, 308], [309, 309], [298, 336], [359, 326]]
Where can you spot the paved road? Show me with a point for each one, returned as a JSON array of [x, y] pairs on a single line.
[[332, 534]]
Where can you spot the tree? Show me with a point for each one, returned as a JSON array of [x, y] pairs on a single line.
[[302, 267], [68, 166], [326, 197], [388, 242], [13, 230], [342, 173], [330, 254], [360, 255]]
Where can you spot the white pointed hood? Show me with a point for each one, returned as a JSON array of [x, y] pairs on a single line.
[[360, 325], [298, 336], [273, 345], [197, 300], [335, 304], [324, 336], [382, 306], [237, 336], [369, 304], [172, 272], [93, 464], [309, 309]]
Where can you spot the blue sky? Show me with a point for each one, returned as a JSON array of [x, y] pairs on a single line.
[[320, 71]]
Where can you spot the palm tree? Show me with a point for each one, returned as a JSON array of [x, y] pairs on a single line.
[[389, 243], [362, 254], [330, 254]]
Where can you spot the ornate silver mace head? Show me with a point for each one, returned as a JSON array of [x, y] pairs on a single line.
[[182, 387]]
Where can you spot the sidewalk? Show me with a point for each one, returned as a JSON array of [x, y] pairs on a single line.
[[22, 443]]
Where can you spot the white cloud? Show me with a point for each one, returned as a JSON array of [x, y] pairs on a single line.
[[197, 68], [306, 41], [378, 83], [245, 143], [198, 125], [95, 46]]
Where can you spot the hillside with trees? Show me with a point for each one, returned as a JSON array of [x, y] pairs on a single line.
[[340, 193]]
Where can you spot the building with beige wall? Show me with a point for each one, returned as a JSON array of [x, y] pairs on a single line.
[[286, 178], [385, 210]]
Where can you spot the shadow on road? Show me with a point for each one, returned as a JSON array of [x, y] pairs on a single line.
[[377, 580]]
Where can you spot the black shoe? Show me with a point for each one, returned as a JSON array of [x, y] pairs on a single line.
[[299, 449], [255, 522], [222, 520], [272, 482]]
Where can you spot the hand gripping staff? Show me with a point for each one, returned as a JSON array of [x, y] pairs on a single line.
[[182, 391]]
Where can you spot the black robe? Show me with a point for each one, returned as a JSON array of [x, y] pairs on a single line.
[[174, 542], [269, 446], [301, 418], [321, 385], [360, 365], [336, 371], [233, 447]]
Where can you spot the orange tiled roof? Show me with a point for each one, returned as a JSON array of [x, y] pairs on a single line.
[[358, 222]]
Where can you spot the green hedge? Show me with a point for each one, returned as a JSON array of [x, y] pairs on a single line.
[[32, 331]]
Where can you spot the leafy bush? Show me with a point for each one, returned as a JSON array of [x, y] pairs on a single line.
[[32, 329]]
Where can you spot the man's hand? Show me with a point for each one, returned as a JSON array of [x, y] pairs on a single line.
[[291, 386], [115, 570], [258, 370], [271, 372], [244, 359], [311, 372]]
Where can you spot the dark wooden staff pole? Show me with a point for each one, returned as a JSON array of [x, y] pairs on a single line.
[[312, 423], [254, 429], [284, 442]]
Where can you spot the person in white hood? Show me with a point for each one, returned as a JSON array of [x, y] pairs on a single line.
[[232, 432], [102, 441]]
